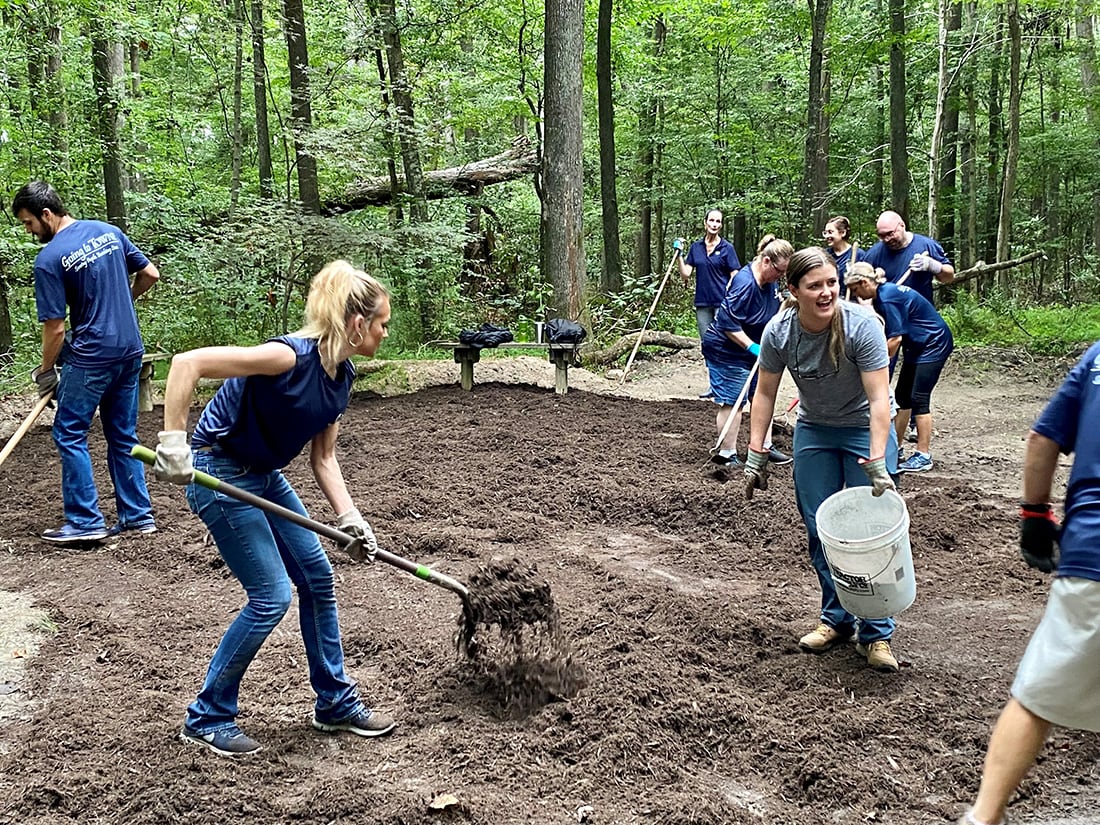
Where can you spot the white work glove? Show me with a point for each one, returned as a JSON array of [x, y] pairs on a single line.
[[875, 468], [363, 544], [174, 462], [923, 262]]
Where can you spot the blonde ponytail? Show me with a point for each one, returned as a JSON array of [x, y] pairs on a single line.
[[336, 293]]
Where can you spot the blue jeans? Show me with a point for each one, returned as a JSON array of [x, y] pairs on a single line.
[[826, 460], [704, 317], [114, 389], [266, 554]]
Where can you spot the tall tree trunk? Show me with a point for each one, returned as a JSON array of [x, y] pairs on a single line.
[[397, 212], [611, 277], [301, 106], [899, 150], [562, 224], [647, 136], [1012, 149], [947, 211], [943, 84], [878, 127], [55, 88], [238, 81], [259, 101], [815, 176], [1090, 87], [406, 123], [106, 77], [994, 143]]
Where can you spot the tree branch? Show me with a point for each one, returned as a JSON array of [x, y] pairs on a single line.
[[982, 268]]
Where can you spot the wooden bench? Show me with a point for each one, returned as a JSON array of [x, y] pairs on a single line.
[[561, 356], [145, 379]]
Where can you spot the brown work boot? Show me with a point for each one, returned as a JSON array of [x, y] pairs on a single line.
[[820, 639], [879, 656]]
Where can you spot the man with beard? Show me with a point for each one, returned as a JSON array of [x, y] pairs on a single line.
[[899, 251], [84, 272]]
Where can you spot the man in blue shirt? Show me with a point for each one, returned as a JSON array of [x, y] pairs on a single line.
[[84, 272], [1058, 679], [907, 257]]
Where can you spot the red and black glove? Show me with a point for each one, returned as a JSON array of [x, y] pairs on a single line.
[[1038, 534]]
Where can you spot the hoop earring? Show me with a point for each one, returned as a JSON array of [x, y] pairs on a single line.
[[356, 343]]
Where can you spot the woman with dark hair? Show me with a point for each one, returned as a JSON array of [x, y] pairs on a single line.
[[732, 343], [714, 261], [278, 396], [836, 353], [839, 245]]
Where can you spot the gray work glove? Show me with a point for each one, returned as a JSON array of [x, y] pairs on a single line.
[[880, 478], [923, 262], [174, 461], [47, 379], [756, 472], [363, 545]]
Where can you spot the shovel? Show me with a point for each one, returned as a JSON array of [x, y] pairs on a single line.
[[471, 616], [28, 422], [737, 405]]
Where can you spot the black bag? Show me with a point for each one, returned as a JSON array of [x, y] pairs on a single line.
[[486, 335], [563, 331]]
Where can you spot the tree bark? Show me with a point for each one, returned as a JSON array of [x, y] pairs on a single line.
[[654, 338], [815, 178], [106, 76], [899, 149], [1090, 87], [1012, 147], [994, 143], [947, 201], [301, 106], [611, 277], [238, 82], [259, 101], [647, 136], [562, 222]]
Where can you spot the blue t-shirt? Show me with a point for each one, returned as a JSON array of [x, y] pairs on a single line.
[[844, 260], [1069, 420], [895, 263], [86, 268], [925, 337], [264, 421], [712, 272], [747, 308]]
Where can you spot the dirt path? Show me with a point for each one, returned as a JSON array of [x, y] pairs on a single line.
[[683, 603]]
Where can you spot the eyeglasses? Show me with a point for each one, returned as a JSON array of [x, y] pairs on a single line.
[[885, 235]]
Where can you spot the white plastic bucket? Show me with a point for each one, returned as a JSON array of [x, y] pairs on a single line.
[[866, 541]]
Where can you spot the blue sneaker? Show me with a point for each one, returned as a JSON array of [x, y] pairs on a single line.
[[916, 463], [145, 528], [67, 534], [229, 742], [363, 722]]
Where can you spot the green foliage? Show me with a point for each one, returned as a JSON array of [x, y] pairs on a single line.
[[999, 321]]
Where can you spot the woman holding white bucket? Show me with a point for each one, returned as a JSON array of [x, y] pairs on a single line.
[[836, 354]]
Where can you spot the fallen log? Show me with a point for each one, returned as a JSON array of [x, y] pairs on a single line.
[[468, 179], [592, 357], [982, 268]]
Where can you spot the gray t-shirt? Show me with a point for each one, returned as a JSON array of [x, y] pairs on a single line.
[[828, 394]]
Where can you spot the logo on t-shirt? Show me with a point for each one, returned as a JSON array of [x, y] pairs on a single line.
[[92, 250]]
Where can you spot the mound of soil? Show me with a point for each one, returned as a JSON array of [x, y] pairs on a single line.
[[681, 603]]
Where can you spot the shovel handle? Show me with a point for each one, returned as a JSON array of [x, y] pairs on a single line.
[[339, 536], [28, 422]]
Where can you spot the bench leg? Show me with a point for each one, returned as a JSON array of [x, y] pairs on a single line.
[[466, 357], [561, 358], [145, 388]]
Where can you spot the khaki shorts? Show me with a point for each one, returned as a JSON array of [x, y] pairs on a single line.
[[1058, 678]]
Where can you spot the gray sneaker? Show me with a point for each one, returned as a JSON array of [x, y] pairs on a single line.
[[145, 528], [229, 742], [364, 722]]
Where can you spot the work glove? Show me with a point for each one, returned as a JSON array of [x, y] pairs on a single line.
[[363, 545], [923, 262], [173, 462], [47, 379], [754, 349], [1038, 533], [756, 472], [679, 246], [875, 468]]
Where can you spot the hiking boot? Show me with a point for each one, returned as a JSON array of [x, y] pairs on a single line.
[[821, 638], [916, 463], [67, 534], [777, 458], [229, 742], [363, 722], [145, 528], [879, 656]]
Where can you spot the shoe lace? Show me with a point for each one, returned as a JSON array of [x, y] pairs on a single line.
[[881, 646]]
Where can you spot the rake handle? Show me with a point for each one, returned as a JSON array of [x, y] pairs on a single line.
[[339, 536]]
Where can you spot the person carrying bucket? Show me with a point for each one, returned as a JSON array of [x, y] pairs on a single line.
[[730, 345], [836, 353], [1058, 679]]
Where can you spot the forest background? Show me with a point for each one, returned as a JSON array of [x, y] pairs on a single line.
[[511, 160]]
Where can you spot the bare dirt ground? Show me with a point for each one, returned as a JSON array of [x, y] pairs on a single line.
[[682, 602]]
